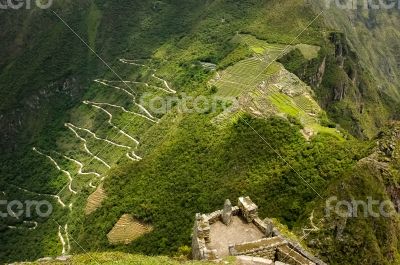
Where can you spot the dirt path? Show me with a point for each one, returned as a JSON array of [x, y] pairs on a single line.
[[98, 106], [142, 113], [35, 224], [85, 146], [314, 228], [132, 62], [133, 158], [123, 109], [67, 238], [169, 89], [44, 195], [59, 169], [96, 137], [91, 185], [148, 114], [80, 165], [60, 236]]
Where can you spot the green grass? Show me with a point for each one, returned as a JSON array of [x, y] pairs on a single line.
[[309, 51], [244, 76], [261, 47], [284, 104], [218, 164], [247, 76], [125, 259], [94, 18], [189, 165]]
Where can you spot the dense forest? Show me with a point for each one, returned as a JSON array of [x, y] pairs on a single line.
[[65, 110]]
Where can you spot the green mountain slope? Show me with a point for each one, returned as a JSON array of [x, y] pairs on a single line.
[[291, 117], [120, 258]]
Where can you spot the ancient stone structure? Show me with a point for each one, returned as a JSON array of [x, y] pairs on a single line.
[[238, 231], [227, 213], [248, 208]]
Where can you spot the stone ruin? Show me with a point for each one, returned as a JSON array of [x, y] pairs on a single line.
[[238, 231]]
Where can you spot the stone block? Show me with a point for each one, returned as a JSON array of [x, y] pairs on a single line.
[[227, 213], [262, 261], [248, 208], [248, 260]]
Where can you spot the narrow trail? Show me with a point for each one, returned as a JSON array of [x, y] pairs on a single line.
[[81, 166], [148, 114], [13, 214], [132, 62], [35, 224], [133, 158], [169, 89], [63, 205], [98, 106], [314, 228], [91, 185], [67, 238], [70, 179], [64, 239], [123, 109], [85, 146], [142, 113], [60, 236], [98, 138]]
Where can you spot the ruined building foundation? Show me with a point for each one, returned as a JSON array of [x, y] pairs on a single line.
[[238, 231]]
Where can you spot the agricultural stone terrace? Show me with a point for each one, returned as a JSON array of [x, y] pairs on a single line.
[[238, 231], [126, 230]]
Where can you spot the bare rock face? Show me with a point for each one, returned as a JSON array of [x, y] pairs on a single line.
[[227, 213]]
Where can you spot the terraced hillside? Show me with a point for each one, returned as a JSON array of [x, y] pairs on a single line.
[[264, 87], [104, 131], [94, 137]]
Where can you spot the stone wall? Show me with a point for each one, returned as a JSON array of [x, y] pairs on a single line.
[[201, 235], [248, 209], [305, 253], [273, 247], [214, 217], [264, 248], [265, 227], [290, 256]]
